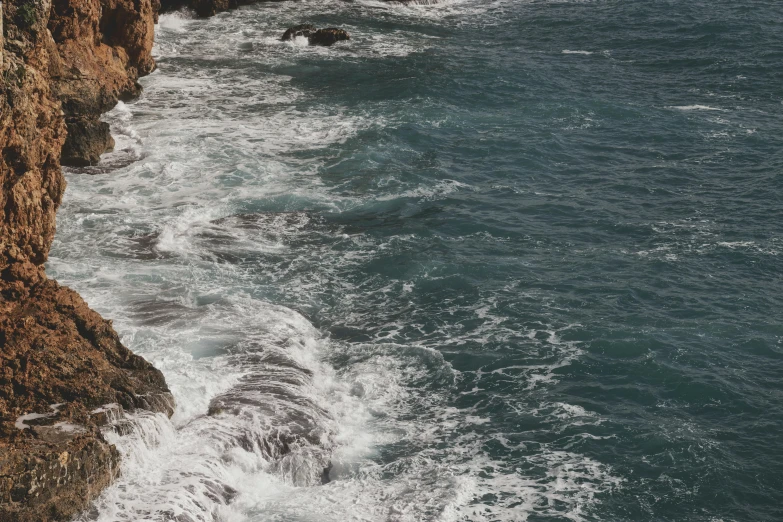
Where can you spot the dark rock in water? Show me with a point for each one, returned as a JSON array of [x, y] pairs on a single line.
[[206, 8], [328, 36], [274, 417], [325, 479], [87, 139], [316, 36], [306, 30]]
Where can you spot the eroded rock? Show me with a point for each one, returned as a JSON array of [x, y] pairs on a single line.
[[54, 479], [64, 372], [329, 36], [87, 139], [101, 49]]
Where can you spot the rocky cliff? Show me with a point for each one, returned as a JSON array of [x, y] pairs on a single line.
[[62, 367]]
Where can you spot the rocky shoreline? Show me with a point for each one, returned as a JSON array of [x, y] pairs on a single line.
[[64, 374], [63, 371]]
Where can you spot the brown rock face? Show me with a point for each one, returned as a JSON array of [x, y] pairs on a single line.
[[53, 481], [58, 350], [104, 46], [64, 62], [31, 136]]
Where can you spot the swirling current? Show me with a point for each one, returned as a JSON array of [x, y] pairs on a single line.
[[490, 260]]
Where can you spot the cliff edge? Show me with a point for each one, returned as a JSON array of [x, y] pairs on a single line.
[[63, 370]]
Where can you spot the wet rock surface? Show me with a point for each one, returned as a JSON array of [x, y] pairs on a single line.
[[87, 140], [315, 36], [305, 30], [329, 36], [102, 47], [53, 480], [63, 373]]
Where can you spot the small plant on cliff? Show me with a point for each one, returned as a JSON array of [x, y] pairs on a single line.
[[21, 74], [15, 77], [26, 15]]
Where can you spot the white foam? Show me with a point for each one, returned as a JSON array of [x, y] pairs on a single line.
[[20, 422], [194, 463], [694, 108], [433, 192], [70, 428], [106, 407], [300, 41], [568, 51], [176, 22]]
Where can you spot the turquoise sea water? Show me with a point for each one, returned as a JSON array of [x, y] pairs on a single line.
[[501, 260]]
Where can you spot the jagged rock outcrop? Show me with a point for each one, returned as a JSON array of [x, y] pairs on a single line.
[[63, 62], [325, 37], [328, 36], [32, 132], [64, 363], [57, 350], [103, 46], [305, 30], [53, 481]]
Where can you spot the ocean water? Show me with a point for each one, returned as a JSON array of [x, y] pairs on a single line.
[[494, 260]]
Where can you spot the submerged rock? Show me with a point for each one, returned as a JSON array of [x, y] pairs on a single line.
[[329, 36], [305, 30]]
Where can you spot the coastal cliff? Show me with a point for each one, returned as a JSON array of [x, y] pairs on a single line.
[[63, 370]]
